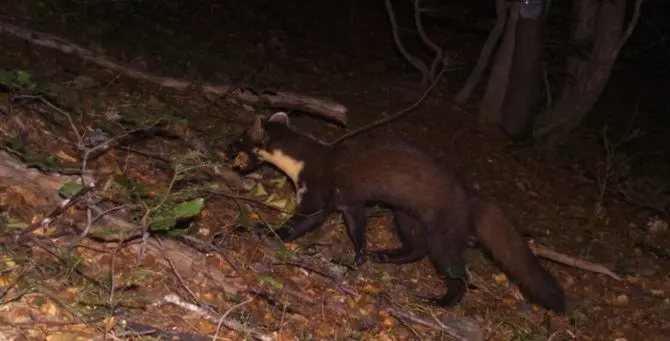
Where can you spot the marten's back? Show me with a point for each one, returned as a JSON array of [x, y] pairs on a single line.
[[395, 173]]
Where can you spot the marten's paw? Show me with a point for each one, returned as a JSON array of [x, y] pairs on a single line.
[[361, 258]]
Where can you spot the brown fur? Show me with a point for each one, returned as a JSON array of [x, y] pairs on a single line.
[[434, 214]]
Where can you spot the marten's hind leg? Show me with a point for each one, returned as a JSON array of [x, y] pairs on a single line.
[[445, 244], [409, 231]]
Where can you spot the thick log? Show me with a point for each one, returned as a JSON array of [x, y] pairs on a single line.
[[283, 99]]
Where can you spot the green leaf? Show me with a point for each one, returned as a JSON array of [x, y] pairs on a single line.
[[16, 224], [70, 189], [278, 182], [259, 190], [189, 209], [23, 79], [162, 223], [166, 219], [276, 201]]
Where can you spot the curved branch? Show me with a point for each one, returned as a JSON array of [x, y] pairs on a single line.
[[470, 84], [416, 62], [432, 73], [631, 26]]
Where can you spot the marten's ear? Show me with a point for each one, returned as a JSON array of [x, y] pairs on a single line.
[[280, 117], [257, 129]]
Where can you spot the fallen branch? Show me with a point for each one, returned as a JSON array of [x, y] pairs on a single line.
[[331, 278], [14, 172], [207, 314], [139, 329], [281, 99], [461, 329], [55, 212], [547, 253], [176, 273]]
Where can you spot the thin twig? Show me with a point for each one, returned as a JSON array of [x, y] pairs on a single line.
[[394, 116], [215, 248], [223, 317], [329, 277], [56, 108], [57, 211], [459, 329], [174, 270]]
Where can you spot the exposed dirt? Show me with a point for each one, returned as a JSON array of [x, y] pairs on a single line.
[[550, 195]]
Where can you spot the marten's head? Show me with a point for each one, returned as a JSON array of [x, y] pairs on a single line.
[[262, 142]]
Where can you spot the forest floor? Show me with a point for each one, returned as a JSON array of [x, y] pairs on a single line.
[[66, 287]]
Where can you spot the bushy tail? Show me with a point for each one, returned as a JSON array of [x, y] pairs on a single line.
[[508, 248]]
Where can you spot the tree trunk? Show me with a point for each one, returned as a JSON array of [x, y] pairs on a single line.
[[496, 87], [583, 34], [523, 90], [556, 124]]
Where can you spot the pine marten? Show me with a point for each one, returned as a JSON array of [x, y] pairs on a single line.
[[434, 214]]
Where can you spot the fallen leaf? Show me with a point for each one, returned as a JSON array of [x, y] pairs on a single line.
[[66, 157], [49, 308], [206, 327], [109, 322], [500, 278], [371, 289], [259, 190], [67, 336], [657, 292], [278, 182]]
